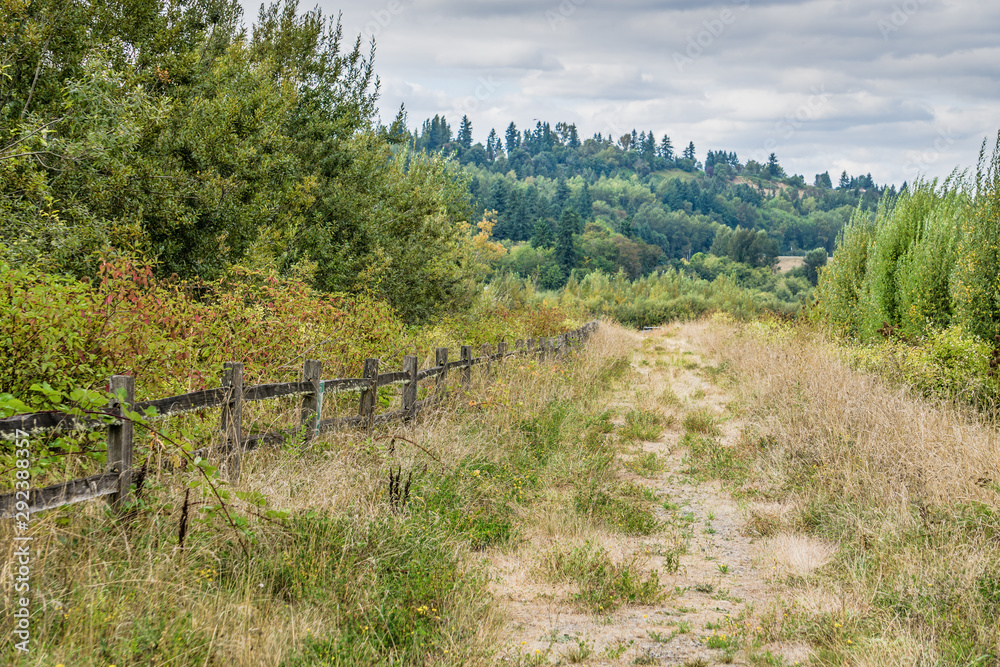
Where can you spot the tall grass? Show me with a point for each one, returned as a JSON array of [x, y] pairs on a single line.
[[907, 488], [920, 281], [926, 260]]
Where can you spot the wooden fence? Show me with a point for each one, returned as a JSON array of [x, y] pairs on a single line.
[[232, 396]]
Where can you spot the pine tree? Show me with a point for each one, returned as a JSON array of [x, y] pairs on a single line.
[[565, 247], [666, 148], [845, 181], [562, 194], [541, 236], [492, 145], [465, 133], [689, 152], [584, 203], [512, 138]]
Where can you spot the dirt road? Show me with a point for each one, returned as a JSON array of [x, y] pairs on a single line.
[[716, 581]]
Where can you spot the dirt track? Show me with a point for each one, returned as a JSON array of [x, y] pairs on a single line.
[[724, 579]]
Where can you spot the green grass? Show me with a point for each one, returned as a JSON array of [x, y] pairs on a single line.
[[708, 458], [642, 426], [700, 421], [617, 509], [603, 584], [646, 464]]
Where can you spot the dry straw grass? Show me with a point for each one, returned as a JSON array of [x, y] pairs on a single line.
[[904, 488], [872, 441]]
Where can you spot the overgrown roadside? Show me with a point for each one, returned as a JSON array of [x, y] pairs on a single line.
[[378, 564]]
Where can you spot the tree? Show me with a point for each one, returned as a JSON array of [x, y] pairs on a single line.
[[845, 181], [542, 236], [512, 138], [666, 148], [493, 146], [465, 133], [823, 181], [584, 202], [566, 254], [689, 152], [815, 259], [561, 196], [774, 169]]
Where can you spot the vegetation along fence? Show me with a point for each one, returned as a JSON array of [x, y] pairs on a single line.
[[231, 397]]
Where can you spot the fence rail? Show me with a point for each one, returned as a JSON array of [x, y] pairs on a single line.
[[115, 483]]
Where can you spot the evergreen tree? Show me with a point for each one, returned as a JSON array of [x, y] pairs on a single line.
[[648, 147], [493, 146], [465, 133], [541, 236], [565, 253], [689, 152], [774, 169], [562, 195], [845, 181], [666, 148], [823, 181], [584, 202], [512, 138]]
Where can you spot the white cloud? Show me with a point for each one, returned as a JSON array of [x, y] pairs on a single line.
[[828, 84]]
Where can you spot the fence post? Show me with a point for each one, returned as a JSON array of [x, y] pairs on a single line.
[[542, 344], [529, 347], [518, 346], [467, 368], [441, 359], [120, 440], [410, 388], [502, 352], [232, 419], [485, 351], [312, 403], [369, 396]]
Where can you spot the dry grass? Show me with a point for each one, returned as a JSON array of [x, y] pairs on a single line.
[[904, 487], [349, 576]]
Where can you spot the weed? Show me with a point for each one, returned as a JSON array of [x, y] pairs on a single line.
[[641, 425], [704, 588], [670, 398], [713, 459], [646, 464], [603, 584], [646, 657], [579, 653], [622, 514], [695, 662], [613, 652], [700, 421]]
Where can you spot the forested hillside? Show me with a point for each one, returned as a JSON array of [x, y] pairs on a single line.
[[634, 203]]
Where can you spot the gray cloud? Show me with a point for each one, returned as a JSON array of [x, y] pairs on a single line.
[[828, 84]]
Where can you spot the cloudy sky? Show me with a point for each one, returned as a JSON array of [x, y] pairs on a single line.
[[890, 87]]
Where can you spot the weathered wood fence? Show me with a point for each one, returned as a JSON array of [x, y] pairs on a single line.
[[115, 483]]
